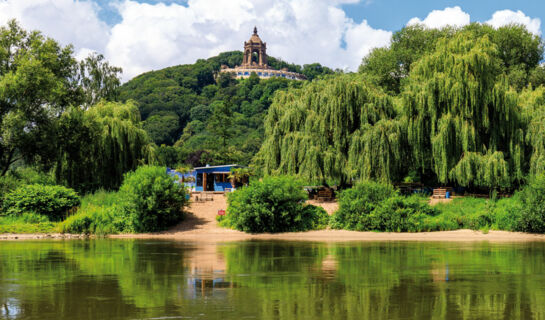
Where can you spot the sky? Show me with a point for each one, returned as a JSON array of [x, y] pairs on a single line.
[[144, 35]]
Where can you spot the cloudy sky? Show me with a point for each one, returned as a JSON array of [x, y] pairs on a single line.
[[143, 35]]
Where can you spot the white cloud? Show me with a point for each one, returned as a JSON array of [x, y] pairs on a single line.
[[154, 36], [505, 17], [300, 31], [441, 18], [68, 21]]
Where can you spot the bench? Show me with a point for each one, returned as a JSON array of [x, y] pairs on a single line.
[[325, 195]]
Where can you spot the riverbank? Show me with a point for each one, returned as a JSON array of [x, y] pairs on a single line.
[[200, 225]]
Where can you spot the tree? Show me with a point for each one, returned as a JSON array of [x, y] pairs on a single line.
[[35, 87], [163, 127], [97, 146], [519, 52], [463, 121], [311, 132], [98, 79], [389, 66], [221, 122]]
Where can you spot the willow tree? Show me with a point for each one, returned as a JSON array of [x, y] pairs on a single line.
[[100, 144], [319, 131], [532, 103], [463, 122]]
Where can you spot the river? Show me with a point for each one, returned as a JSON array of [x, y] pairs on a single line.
[[142, 279]]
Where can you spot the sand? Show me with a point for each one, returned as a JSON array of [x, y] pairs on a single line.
[[200, 225]]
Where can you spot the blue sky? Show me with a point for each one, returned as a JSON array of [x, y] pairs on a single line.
[[143, 35], [394, 14]]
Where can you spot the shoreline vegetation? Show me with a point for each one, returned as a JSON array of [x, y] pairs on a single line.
[[462, 108], [200, 225]]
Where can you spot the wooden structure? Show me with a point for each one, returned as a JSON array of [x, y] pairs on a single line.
[[441, 193], [325, 194]]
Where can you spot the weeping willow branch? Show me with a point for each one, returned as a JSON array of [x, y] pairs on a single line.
[[114, 143], [463, 119], [318, 131]]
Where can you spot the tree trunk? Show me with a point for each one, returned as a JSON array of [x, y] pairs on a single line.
[[8, 163]]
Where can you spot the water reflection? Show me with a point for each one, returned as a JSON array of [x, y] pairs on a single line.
[[128, 279]]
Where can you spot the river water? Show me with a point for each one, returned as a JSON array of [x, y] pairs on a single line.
[[142, 279]]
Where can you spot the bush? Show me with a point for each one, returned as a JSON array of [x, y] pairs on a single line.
[[92, 219], [357, 203], [151, 201], [402, 214], [532, 199], [51, 201], [275, 204], [22, 176], [507, 213]]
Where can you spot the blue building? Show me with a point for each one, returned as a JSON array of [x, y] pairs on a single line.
[[213, 178], [209, 178]]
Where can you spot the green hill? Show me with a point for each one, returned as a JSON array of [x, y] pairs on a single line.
[[199, 116]]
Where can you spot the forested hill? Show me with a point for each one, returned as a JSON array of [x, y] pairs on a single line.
[[199, 119]]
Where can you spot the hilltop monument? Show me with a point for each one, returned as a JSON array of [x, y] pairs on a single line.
[[255, 60]]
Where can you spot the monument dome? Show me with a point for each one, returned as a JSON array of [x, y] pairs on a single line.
[[255, 60]]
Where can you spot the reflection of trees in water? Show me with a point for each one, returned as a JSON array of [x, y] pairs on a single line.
[[112, 277], [266, 280], [387, 281]]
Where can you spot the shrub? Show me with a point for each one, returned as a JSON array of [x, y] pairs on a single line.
[[275, 204], [401, 214], [92, 219], [357, 203], [8, 183], [151, 201], [507, 213], [52, 201], [532, 199]]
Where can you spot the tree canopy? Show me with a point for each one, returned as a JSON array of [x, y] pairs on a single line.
[[439, 106], [193, 110]]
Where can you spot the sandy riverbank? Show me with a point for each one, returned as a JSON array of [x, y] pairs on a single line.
[[200, 225]]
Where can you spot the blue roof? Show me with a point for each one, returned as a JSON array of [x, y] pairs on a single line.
[[218, 169]]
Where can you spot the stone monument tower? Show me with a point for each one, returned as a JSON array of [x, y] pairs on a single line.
[[255, 52], [255, 61]]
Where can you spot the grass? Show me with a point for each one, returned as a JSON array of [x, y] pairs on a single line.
[[477, 214], [98, 214], [27, 223]]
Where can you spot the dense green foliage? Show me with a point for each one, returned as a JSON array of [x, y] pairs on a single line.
[[51, 201], [39, 80], [334, 130], [519, 53], [147, 201], [98, 145], [100, 213], [452, 115], [377, 206], [532, 206], [151, 200], [275, 204], [209, 117]]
